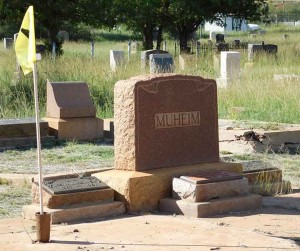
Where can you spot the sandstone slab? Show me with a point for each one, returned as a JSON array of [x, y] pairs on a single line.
[[69, 100], [59, 200], [88, 128], [142, 190], [211, 208], [183, 189], [78, 212], [180, 127]]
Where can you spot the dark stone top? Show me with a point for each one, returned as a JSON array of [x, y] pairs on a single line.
[[73, 185]]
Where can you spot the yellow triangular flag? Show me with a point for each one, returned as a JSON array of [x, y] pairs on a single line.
[[25, 43]]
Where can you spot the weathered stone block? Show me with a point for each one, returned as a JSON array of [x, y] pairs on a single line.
[[116, 59], [69, 100], [142, 190], [76, 128], [211, 208], [161, 63], [180, 127], [59, 200], [183, 189]]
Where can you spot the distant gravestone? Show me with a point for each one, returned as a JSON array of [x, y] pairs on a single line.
[[185, 61], [180, 127], [253, 49], [236, 43], [270, 48], [71, 113], [220, 38], [8, 43], [116, 59], [222, 47], [64, 35], [146, 54], [15, 36], [212, 35], [161, 63], [259, 48], [133, 47], [230, 64]]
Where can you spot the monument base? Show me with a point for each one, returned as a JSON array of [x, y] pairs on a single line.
[[142, 191], [77, 213], [85, 128], [211, 208]]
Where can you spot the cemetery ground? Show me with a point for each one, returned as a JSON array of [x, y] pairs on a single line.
[[273, 227], [255, 97]]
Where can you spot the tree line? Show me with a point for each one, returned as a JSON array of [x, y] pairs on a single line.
[[147, 17]]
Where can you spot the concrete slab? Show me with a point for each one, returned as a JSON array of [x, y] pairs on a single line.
[[211, 208], [77, 213]]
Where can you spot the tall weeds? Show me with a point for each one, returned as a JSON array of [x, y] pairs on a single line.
[[256, 92]]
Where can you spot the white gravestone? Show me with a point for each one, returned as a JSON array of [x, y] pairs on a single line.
[[230, 64], [161, 63], [230, 67], [8, 43], [116, 59], [212, 36]]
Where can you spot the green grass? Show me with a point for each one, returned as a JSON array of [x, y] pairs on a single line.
[[12, 199], [71, 157], [262, 98]]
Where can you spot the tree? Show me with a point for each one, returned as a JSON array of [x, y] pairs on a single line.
[[52, 14], [145, 16], [186, 16]]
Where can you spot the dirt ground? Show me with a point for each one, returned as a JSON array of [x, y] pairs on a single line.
[[276, 226]]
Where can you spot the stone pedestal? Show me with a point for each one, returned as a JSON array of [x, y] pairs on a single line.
[[71, 113], [75, 128], [142, 190]]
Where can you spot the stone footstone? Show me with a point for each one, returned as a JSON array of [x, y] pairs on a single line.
[[78, 212], [59, 200], [183, 189], [211, 208]]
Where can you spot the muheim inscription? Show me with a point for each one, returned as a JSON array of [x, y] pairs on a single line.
[[177, 119], [164, 121]]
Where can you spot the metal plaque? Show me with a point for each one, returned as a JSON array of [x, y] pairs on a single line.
[[73, 185], [210, 177]]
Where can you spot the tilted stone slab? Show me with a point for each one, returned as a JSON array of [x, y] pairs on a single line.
[[69, 100], [164, 121], [183, 189]]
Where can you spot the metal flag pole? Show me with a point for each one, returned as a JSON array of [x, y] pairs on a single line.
[[38, 136]]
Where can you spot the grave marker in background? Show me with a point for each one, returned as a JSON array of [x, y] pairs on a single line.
[[116, 59], [8, 43], [146, 54], [161, 63], [71, 113]]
